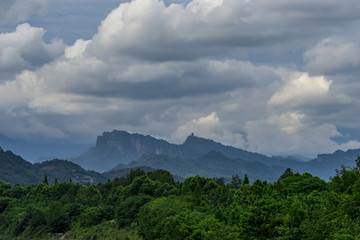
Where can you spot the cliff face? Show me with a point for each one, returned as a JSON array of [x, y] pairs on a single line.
[[121, 147], [125, 143]]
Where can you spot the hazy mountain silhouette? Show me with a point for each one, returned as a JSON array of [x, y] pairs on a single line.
[[121, 147]]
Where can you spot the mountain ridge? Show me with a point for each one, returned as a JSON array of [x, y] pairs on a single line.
[[119, 150], [121, 147]]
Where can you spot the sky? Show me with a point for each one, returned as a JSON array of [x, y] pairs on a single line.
[[275, 77]]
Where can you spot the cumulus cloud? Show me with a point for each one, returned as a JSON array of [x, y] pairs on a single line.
[[148, 29], [13, 11], [300, 89], [26, 49], [77, 49]]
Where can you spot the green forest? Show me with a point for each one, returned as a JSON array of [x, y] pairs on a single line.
[[153, 206]]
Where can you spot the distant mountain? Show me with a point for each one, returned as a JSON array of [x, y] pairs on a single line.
[[14, 169], [325, 165], [212, 164], [117, 147], [121, 147], [196, 156]]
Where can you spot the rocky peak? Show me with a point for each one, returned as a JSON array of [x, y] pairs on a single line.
[[192, 139]]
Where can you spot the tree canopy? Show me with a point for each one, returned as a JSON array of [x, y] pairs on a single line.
[[153, 206]]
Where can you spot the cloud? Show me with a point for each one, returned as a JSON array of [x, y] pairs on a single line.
[[148, 29], [13, 11], [77, 49], [25, 49], [300, 89], [245, 73], [290, 133], [350, 145], [209, 127], [333, 56]]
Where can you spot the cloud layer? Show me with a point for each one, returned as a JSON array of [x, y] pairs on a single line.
[[277, 78]]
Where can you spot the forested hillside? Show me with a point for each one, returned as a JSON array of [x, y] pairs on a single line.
[[14, 169], [153, 206]]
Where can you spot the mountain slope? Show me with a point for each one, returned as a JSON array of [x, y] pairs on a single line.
[[14, 169], [63, 170], [212, 164]]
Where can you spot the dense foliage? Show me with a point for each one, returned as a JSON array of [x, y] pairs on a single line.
[[153, 206]]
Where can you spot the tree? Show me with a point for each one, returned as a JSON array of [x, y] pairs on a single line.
[[57, 219], [358, 161], [128, 208], [219, 180], [246, 179], [235, 182], [162, 176], [288, 173], [46, 180]]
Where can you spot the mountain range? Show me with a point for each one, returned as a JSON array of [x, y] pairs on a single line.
[[117, 152], [120, 149]]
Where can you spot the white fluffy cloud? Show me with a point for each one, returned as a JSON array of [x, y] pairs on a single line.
[[147, 29], [25, 49], [301, 88]]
